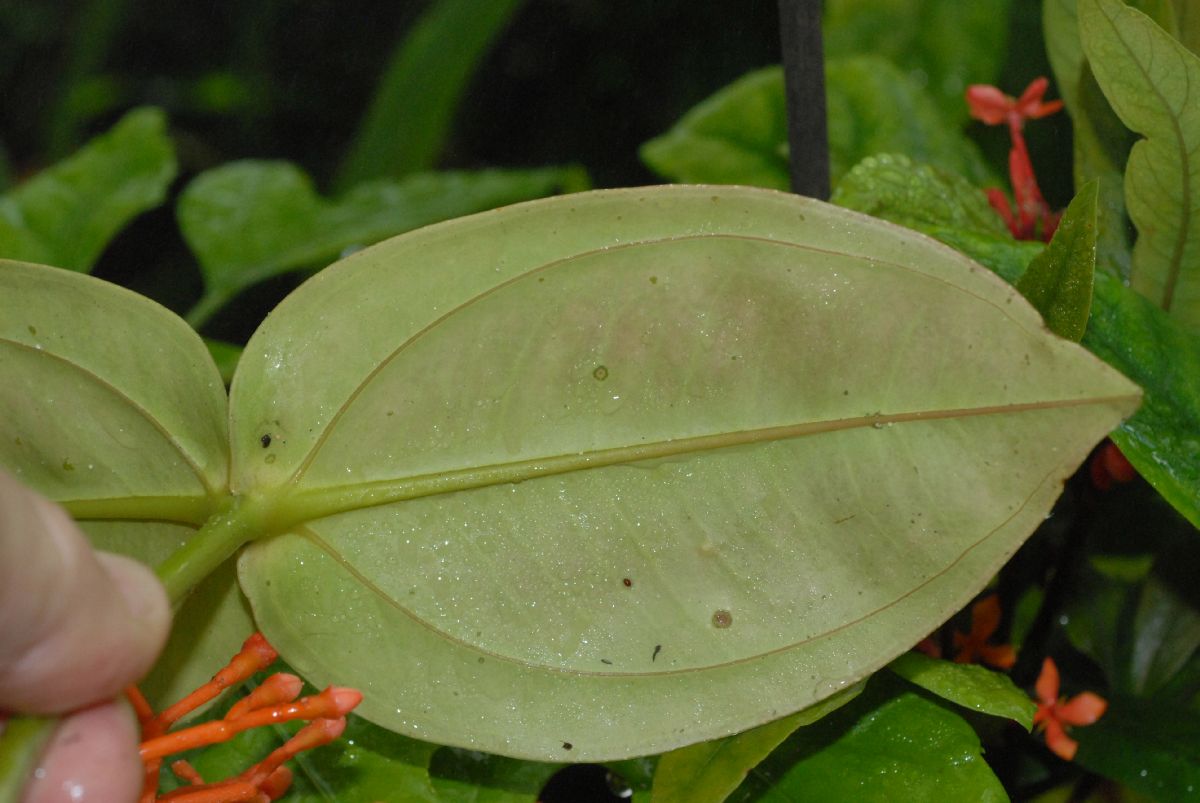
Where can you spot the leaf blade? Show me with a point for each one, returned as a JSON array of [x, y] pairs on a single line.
[[1147, 76], [621, 279]]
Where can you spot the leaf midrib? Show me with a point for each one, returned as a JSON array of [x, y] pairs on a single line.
[[316, 503]]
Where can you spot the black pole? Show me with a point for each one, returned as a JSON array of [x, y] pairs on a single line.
[[804, 79]]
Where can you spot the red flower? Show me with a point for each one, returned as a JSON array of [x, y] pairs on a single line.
[[1055, 714], [972, 646], [1033, 218], [1109, 466]]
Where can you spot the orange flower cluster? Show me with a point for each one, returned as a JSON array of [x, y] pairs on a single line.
[[272, 702]]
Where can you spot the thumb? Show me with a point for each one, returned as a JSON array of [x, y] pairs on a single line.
[[76, 625]]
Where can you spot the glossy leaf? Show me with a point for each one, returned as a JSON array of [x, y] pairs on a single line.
[[890, 744], [1058, 281], [1148, 78], [1128, 332], [944, 46], [917, 195], [68, 213], [410, 115], [457, 524], [248, 221], [739, 135], [1154, 749], [709, 772], [969, 685]]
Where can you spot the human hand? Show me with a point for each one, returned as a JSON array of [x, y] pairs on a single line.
[[76, 627]]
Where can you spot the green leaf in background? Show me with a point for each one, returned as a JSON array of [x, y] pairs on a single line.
[[248, 221], [406, 124], [890, 744], [709, 771], [1126, 330], [736, 136], [433, 500], [1149, 79], [917, 195], [969, 685], [739, 135], [1154, 749], [943, 46], [68, 213], [1058, 282], [1101, 142]]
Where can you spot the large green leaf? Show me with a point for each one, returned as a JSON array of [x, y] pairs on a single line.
[[739, 135], [709, 771], [890, 744], [413, 107], [1148, 78], [723, 398], [248, 221], [944, 46], [67, 214]]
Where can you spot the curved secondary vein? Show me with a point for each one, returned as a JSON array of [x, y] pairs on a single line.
[[188, 460], [389, 600], [327, 430]]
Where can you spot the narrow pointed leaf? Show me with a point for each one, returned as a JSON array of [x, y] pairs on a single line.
[[708, 772], [969, 685], [1150, 80], [248, 221], [1058, 282], [405, 126], [68, 213], [738, 401]]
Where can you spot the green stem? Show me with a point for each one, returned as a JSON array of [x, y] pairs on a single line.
[[240, 520], [21, 746]]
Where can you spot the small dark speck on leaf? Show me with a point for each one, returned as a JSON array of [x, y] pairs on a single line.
[[567, 745], [606, 661], [627, 582], [265, 440], [657, 650], [722, 619], [33, 330], [653, 280]]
